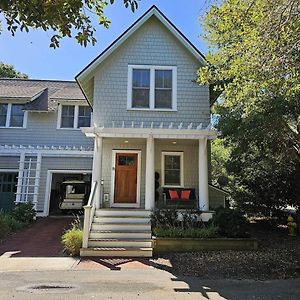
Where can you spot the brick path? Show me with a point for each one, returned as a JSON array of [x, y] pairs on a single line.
[[42, 239]]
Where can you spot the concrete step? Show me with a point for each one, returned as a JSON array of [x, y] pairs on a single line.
[[120, 226], [122, 219], [112, 212], [120, 234], [116, 252], [110, 242]]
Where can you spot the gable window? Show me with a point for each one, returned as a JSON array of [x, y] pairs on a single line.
[[172, 169], [12, 115], [152, 87], [73, 116]]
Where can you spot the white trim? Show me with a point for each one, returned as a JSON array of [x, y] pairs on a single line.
[[50, 173], [9, 170], [8, 116], [152, 69], [180, 154], [159, 133], [81, 76], [138, 185]]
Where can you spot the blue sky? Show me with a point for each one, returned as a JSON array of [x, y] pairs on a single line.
[[30, 52]]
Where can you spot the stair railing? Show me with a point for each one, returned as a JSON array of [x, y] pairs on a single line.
[[89, 211]]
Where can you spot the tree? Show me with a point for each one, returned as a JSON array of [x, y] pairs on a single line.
[[65, 17], [254, 61], [9, 71]]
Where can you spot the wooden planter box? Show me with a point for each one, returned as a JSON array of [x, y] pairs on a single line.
[[162, 245]]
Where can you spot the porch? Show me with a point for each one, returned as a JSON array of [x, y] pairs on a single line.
[[131, 168]]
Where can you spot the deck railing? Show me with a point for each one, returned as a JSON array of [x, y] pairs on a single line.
[[89, 211]]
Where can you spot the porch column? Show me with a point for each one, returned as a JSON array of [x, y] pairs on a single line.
[[150, 183], [203, 176], [97, 168]]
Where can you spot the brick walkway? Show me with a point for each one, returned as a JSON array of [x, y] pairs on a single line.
[[42, 239]]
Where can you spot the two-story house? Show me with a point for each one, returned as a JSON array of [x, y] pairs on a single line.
[[149, 136]]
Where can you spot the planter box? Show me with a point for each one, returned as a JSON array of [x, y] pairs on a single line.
[[162, 245]]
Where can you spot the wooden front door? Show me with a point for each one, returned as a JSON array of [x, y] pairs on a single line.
[[126, 178]]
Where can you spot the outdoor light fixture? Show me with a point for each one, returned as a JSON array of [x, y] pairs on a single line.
[[174, 143], [126, 141]]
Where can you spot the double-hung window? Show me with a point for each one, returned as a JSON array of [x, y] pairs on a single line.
[[172, 169], [12, 115], [74, 116], [152, 87]]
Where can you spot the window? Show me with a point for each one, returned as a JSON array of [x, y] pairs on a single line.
[[12, 115], [152, 87], [172, 169], [73, 116], [3, 114], [84, 116]]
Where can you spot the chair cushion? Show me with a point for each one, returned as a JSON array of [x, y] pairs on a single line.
[[185, 194], [173, 195]]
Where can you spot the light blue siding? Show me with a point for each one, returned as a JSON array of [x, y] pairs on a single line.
[[152, 44], [41, 130]]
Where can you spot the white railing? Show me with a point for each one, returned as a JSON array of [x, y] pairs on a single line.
[[89, 211]]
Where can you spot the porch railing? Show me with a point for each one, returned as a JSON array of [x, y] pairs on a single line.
[[89, 211]]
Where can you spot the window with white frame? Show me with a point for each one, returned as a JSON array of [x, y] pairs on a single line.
[[152, 87], [74, 116], [12, 115], [172, 169]]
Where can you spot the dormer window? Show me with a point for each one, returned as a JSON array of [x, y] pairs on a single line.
[[152, 88], [73, 116], [12, 115]]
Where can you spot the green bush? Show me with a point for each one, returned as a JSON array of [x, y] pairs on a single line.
[[12, 223], [72, 241], [231, 223], [4, 228], [24, 213], [177, 232], [72, 238]]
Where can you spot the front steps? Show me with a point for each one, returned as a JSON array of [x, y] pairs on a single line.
[[120, 233]]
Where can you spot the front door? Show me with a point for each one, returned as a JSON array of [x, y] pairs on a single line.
[[125, 185]]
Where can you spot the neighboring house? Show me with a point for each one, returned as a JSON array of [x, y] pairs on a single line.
[[40, 140], [151, 122]]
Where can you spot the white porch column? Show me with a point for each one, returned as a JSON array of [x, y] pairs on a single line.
[[97, 168], [203, 176], [150, 183]]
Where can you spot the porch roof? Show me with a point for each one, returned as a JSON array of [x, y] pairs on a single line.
[[159, 132]]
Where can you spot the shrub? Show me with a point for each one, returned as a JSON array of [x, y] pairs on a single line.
[[4, 228], [72, 238], [24, 212], [12, 223], [177, 232], [172, 218], [231, 223]]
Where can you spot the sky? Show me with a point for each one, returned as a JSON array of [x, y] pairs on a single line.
[[30, 52]]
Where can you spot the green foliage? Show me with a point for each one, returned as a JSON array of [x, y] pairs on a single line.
[[72, 241], [254, 62], [231, 223], [9, 71], [8, 223], [164, 217], [177, 232], [12, 223], [63, 17], [24, 213], [4, 227]]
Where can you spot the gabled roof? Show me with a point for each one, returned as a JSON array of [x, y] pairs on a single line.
[[41, 95], [153, 11]]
